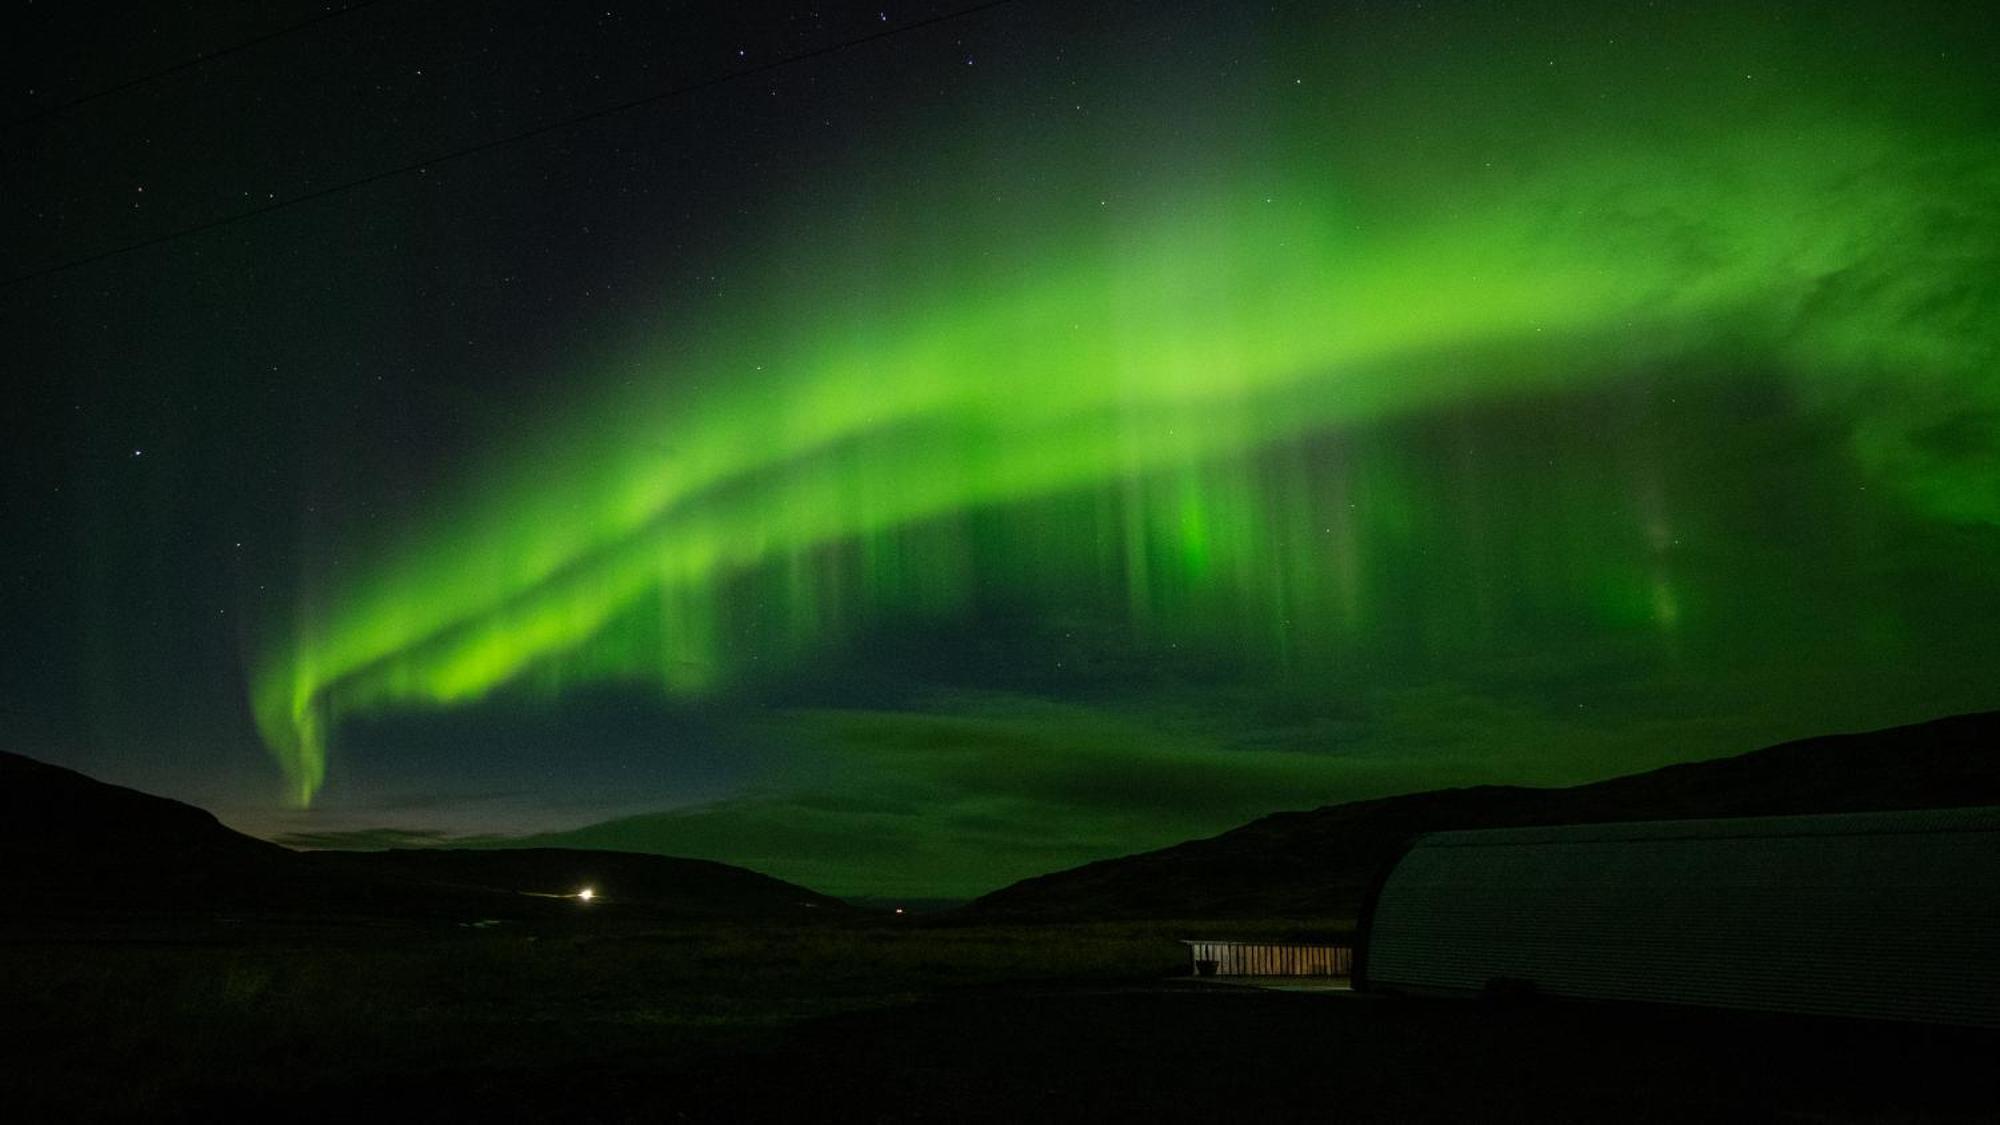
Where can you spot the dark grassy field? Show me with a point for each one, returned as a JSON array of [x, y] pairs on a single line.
[[903, 1021], [162, 1020]]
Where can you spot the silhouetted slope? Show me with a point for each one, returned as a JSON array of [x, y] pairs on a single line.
[[74, 846], [620, 880], [67, 840], [1320, 863]]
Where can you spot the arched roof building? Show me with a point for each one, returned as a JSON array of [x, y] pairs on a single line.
[[1888, 915]]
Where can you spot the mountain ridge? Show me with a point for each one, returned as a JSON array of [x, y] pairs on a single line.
[[71, 845], [1319, 863]]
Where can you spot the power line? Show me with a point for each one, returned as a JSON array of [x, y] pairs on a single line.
[[188, 64], [513, 138]]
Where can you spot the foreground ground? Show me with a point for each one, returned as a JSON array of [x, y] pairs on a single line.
[[900, 1022]]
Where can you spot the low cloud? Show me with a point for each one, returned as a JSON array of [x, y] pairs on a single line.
[[954, 804], [377, 839]]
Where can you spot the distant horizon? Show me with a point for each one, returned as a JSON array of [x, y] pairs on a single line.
[[915, 899]]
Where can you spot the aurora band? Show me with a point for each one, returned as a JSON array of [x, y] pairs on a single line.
[[1213, 322]]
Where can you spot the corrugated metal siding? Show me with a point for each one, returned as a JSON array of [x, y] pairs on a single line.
[[1892, 915], [1252, 959]]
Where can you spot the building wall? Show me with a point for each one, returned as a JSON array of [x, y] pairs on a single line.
[[1249, 959], [1881, 914]]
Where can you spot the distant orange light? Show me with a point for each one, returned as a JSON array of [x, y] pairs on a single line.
[[585, 895]]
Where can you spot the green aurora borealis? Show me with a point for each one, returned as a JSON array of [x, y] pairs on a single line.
[[1347, 403]]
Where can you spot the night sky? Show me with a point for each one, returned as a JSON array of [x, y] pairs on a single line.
[[1009, 439]]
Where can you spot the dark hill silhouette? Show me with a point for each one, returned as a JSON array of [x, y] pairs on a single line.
[[1319, 864], [70, 842], [655, 883], [74, 846]]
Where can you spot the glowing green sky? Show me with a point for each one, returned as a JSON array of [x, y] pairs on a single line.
[[1149, 348], [1031, 438]]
